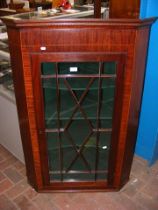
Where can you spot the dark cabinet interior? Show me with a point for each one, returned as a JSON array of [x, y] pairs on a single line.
[[78, 86]]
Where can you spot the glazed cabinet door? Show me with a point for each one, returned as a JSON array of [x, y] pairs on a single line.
[[78, 101]]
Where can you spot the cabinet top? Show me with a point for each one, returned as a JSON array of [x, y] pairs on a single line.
[[12, 21]]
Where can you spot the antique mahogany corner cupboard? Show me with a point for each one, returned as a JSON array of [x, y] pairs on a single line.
[[78, 86]]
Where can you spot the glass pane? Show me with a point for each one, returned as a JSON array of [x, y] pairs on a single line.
[[80, 152], [97, 156], [48, 68], [78, 68], [104, 147], [109, 68], [69, 97], [90, 102], [50, 102], [107, 103], [79, 177], [67, 103], [53, 151]]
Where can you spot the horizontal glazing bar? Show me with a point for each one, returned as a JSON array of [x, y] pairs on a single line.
[[79, 76], [79, 172], [55, 130], [56, 181]]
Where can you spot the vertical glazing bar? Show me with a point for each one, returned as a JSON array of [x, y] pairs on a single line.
[[98, 118], [58, 123]]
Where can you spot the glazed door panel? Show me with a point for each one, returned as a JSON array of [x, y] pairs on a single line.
[[76, 101]]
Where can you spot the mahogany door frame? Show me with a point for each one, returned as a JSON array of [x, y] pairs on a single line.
[[36, 60]]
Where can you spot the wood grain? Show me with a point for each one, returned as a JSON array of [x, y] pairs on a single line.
[[124, 8], [125, 41]]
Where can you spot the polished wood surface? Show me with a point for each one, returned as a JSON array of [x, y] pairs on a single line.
[[124, 8], [37, 59], [122, 40], [137, 86]]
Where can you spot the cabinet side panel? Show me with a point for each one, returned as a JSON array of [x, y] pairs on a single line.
[[127, 90], [23, 105], [141, 47]]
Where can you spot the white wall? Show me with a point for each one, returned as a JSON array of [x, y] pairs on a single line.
[[9, 128]]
